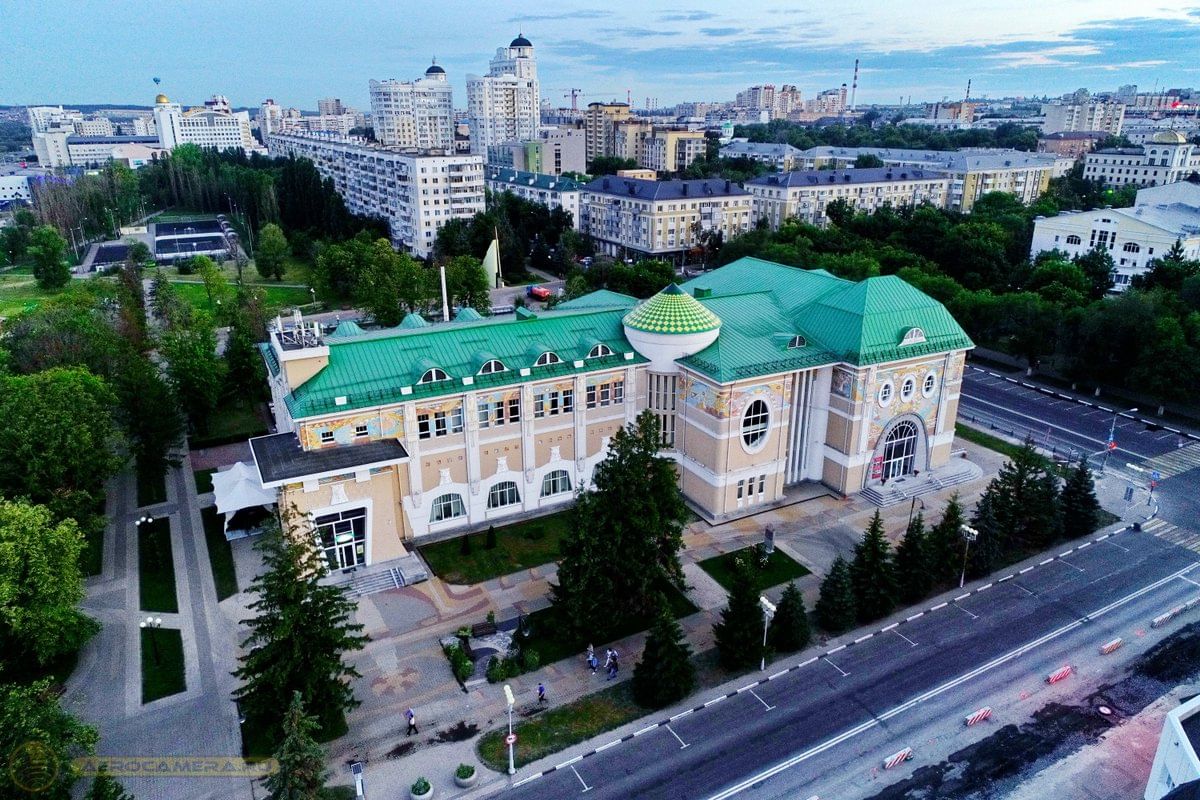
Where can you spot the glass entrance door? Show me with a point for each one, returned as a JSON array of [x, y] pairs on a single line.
[[343, 538], [900, 451]]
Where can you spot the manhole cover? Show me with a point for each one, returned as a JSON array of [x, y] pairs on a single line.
[[1105, 710]]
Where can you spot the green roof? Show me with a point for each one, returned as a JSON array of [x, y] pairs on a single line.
[[347, 328], [413, 320], [601, 298], [672, 311], [467, 314]]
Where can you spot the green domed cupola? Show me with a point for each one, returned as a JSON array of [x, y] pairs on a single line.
[[672, 311]]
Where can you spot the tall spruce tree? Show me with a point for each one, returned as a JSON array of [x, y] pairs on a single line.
[[665, 674], [1080, 508], [835, 607], [1024, 500], [301, 772], [944, 543], [300, 631], [739, 634], [625, 541], [872, 574], [789, 630], [913, 577], [986, 552], [105, 787]]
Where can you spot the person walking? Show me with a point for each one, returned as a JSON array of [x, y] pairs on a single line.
[[593, 662], [613, 666], [542, 693], [412, 722]]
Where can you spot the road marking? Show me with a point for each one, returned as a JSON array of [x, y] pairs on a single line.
[[613, 743], [837, 649], [835, 666], [682, 743], [1044, 563], [1085, 544], [714, 701], [863, 638], [649, 728], [1189, 580], [939, 605], [914, 616], [1023, 589], [586, 788], [806, 663], [1027, 569], [1114, 544], [779, 674], [1072, 566], [982, 588], [962, 597], [968, 613], [905, 638], [682, 714], [569, 762], [1066, 552], [1007, 577], [945, 687], [759, 699]]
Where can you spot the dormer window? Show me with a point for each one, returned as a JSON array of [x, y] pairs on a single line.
[[433, 376], [546, 359], [796, 341], [492, 367], [599, 351], [913, 336]]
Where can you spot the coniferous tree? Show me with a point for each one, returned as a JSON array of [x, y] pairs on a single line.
[[872, 575], [301, 773], [1024, 500], [914, 579], [945, 543], [985, 552], [665, 674], [106, 787], [789, 630], [300, 631], [490, 543], [464, 545], [739, 634], [835, 607], [1080, 508]]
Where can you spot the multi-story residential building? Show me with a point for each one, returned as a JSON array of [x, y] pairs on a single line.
[[1141, 131], [1097, 116], [330, 107], [806, 195], [961, 112], [1161, 216], [1072, 144], [830, 101], [1176, 761], [214, 125], [973, 173], [340, 124], [780, 157], [555, 151], [418, 113], [552, 191], [660, 148], [762, 377], [661, 219], [787, 100], [416, 191], [505, 104], [270, 118], [1166, 158], [600, 122], [94, 126], [142, 125]]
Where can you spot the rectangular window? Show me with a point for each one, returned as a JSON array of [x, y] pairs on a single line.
[[360, 431], [762, 484], [514, 410], [326, 437], [539, 405], [498, 412], [456, 420], [484, 414], [741, 488], [439, 423], [619, 392], [605, 392], [568, 401], [591, 397], [423, 430]]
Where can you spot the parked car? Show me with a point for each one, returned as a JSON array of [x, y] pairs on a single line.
[[538, 293]]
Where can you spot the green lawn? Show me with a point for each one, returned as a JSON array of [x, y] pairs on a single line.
[[294, 271], [561, 727], [92, 560], [203, 480], [151, 489], [987, 440], [524, 544], [220, 555], [232, 422], [780, 568], [19, 292], [156, 579], [277, 297], [258, 742], [162, 663]]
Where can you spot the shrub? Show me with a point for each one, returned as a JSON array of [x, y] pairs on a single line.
[[460, 664], [464, 548], [490, 544], [185, 266], [491, 617], [531, 660], [464, 771], [420, 786], [495, 669]]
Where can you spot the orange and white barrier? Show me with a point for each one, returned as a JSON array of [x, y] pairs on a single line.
[[896, 759], [979, 716], [1109, 647], [1062, 673]]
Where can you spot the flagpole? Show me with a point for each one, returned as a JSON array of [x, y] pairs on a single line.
[[445, 298]]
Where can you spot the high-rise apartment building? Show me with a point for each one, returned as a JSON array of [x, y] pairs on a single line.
[[418, 113], [270, 118], [600, 123], [1106, 117], [505, 104], [330, 106], [658, 148], [213, 125]]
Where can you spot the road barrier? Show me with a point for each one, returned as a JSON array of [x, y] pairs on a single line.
[[979, 716], [1059, 674], [896, 759], [1108, 647], [1163, 619]]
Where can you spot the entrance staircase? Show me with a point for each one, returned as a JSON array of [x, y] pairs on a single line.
[[381, 577], [956, 472]]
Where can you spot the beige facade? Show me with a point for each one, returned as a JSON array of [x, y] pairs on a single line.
[[805, 196], [600, 122]]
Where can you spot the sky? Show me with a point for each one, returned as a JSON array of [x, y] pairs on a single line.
[[109, 51]]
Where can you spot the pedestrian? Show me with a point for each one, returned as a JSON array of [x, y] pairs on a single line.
[[542, 693], [591, 653], [613, 666], [412, 722], [593, 662]]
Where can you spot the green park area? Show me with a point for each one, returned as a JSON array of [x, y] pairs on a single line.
[[778, 569], [162, 663], [521, 545], [220, 555], [156, 567]]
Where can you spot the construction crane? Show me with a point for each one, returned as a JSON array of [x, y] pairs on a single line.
[[575, 94]]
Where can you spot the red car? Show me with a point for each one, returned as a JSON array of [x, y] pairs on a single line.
[[538, 292]]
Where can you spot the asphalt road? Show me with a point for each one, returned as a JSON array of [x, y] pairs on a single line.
[[823, 724], [1071, 426]]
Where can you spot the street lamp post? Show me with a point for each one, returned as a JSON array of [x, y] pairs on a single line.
[[768, 611], [508, 696], [911, 507], [150, 625], [1110, 445], [969, 535]]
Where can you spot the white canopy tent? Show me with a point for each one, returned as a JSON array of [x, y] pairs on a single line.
[[239, 487]]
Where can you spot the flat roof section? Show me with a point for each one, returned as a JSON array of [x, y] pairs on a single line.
[[281, 459], [162, 229]]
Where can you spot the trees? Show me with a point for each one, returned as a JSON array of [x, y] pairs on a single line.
[[625, 539], [872, 575], [150, 415], [835, 607], [914, 580], [1024, 499], [608, 165], [106, 787], [40, 586], [270, 256], [867, 160], [391, 284], [665, 673], [789, 630], [301, 773], [216, 285], [40, 741], [196, 373], [1080, 508], [467, 284], [739, 634], [945, 542], [300, 631], [48, 250]]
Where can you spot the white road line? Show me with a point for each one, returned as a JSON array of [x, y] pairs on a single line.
[[945, 687], [613, 743], [1044, 563], [1066, 552], [779, 674], [1105, 409], [714, 701], [905, 638], [835, 666], [914, 616], [682, 744], [1027, 569], [764, 702], [649, 728], [806, 663], [837, 649], [982, 588], [682, 714], [1189, 580], [532, 777], [1085, 544], [1072, 566], [569, 762], [586, 788], [747, 687], [1007, 577], [962, 597], [1114, 544], [1023, 589], [968, 613], [1102, 538], [889, 627], [863, 638], [939, 605]]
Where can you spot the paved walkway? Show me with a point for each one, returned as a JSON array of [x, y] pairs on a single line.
[[105, 689]]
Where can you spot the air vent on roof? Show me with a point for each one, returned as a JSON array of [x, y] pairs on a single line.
[[525, 314], [727, 184], [846, 177], [888, 176], [701, 292], [904, 176], [832, 178]]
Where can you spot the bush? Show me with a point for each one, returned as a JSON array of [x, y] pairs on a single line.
[[185, 266], [464, 771], [465, 545], [495, 669], [490, 544], [420, 786], [460, 664], [531, 660]]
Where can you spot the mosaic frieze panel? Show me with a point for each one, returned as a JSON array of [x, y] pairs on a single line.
[[703, 397], [381, 425]]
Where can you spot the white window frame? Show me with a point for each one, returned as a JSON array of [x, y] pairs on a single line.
[[547, 358], [452, 502], [503, 490], [908, 389], [492, 367], [887, 393], [433, 375], [553, 483], [756, 425], [929, 384], [600, 351]]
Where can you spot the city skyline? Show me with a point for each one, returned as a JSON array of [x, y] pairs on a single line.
[[655, 50]]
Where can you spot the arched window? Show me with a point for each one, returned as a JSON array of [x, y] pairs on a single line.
[[796, 341], [433, 376], [503, 494], [492, 367], [447, 506], [556, 482], [886, 391], [900, 450], [547, 358], [599, 351], [908, 389], [913, 336], [1132, 247], [755, 422], [1073, 239], [929, 385]]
